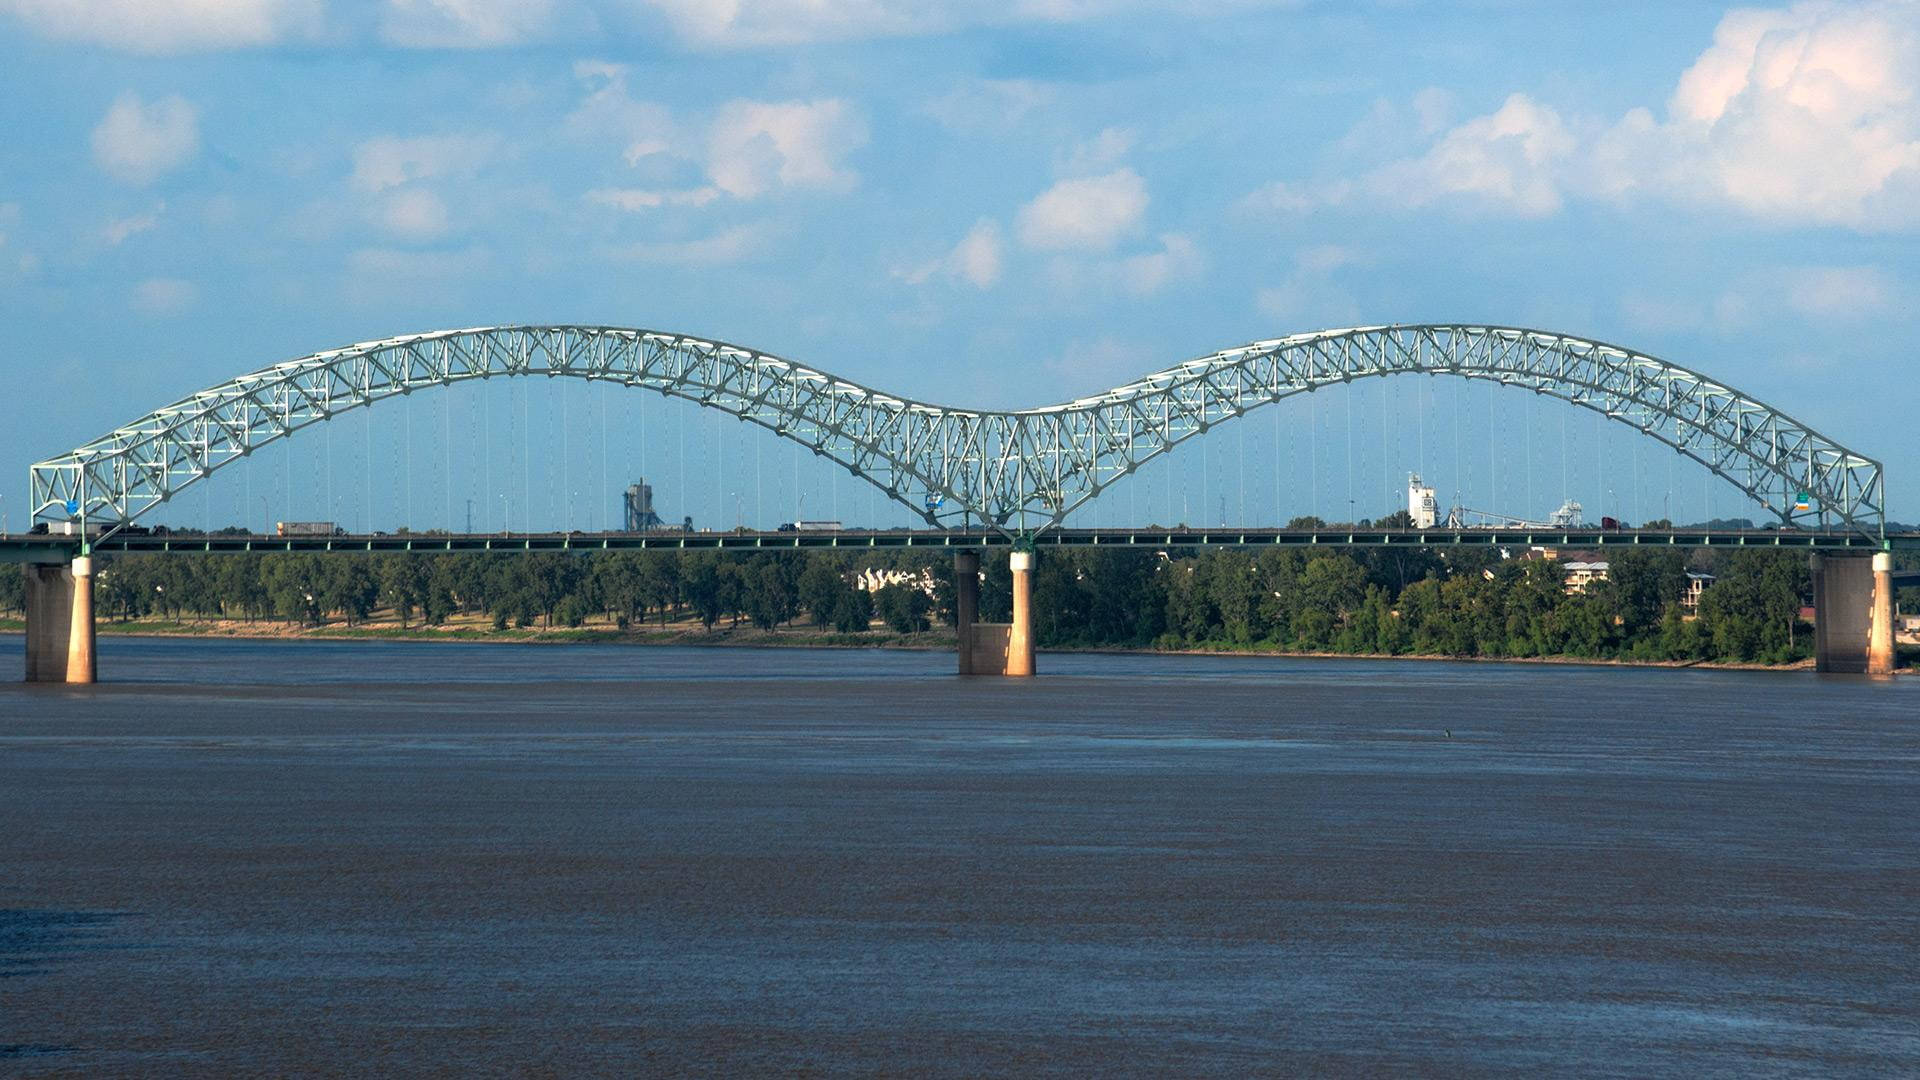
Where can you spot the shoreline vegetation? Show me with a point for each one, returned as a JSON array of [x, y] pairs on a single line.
[[691, 634], [1457, 604]]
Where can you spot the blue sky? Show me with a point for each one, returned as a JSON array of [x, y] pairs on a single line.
[[984, 205]]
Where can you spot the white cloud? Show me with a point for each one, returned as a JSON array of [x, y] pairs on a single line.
[[463, 24], [738, 23], [1311, 291], [389, 161], [1103, 151], [975, 259], [117, 232], [1838, 292], [1278, 197], [138, 143], [1177, 260], [1102, 362], [1818, 294], [755, 23], [1803, 115], [990, 105], [748, 149], [413, 212], [755, 146], [636, 199], [1090, 213], [644, 128], [164, 296], [726, 246], [1508, 160], [153, 26]]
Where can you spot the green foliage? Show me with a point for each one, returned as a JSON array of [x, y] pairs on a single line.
[[904, 608], [1467, 604], [853, 612]]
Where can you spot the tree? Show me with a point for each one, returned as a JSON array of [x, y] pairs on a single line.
[[820, 587], [904, 608], [1333, 586], [400, 584], [853, 612], [1751, 609], [704, 586], [1233, 592], [1641, 585], [770, 599]]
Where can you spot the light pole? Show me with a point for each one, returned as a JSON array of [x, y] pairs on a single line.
[[266, 516]]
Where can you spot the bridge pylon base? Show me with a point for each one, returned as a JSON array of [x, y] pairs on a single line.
[[60, 631], [1853, 613], [993, 648]]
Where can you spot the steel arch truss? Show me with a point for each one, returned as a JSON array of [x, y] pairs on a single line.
[[1013, 470]]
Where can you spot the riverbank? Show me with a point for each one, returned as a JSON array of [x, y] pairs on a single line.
[[692, 633]]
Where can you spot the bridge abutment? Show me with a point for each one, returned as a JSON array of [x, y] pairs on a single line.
[[60, 636], [1853, 613]]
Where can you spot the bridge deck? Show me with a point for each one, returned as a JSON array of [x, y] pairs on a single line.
[[43, 548]]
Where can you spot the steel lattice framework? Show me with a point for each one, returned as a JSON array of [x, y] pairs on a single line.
[[1017, 471]]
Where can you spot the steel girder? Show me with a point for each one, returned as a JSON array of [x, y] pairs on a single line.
[[1016, 471]]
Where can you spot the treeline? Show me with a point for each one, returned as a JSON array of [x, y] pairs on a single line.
[[626, 589], [1380, 600]]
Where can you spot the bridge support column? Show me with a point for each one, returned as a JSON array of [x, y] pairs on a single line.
[[966, 603], [1880, 635], [60, 622], [994, 648], [1853, 613], [1020, 634]]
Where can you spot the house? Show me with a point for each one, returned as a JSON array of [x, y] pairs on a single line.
[[1582, 572], [873, 579], [1697, 582]]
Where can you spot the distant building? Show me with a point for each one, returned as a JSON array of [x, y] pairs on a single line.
[[638, 502], [1421, 505], [874, 579], [1697, 582], [1583, 572]]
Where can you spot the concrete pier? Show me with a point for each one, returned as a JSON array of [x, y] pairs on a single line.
[[966, 604], [60, 639], [1880, 656], [1853, 613], [1020, 634], [993, 648]]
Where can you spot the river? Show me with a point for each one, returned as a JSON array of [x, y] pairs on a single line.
[[256, 857]]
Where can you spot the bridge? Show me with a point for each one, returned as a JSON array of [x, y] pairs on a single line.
[[1018, 473]]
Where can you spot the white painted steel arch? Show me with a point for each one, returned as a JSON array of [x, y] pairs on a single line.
[[1017, 470]]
